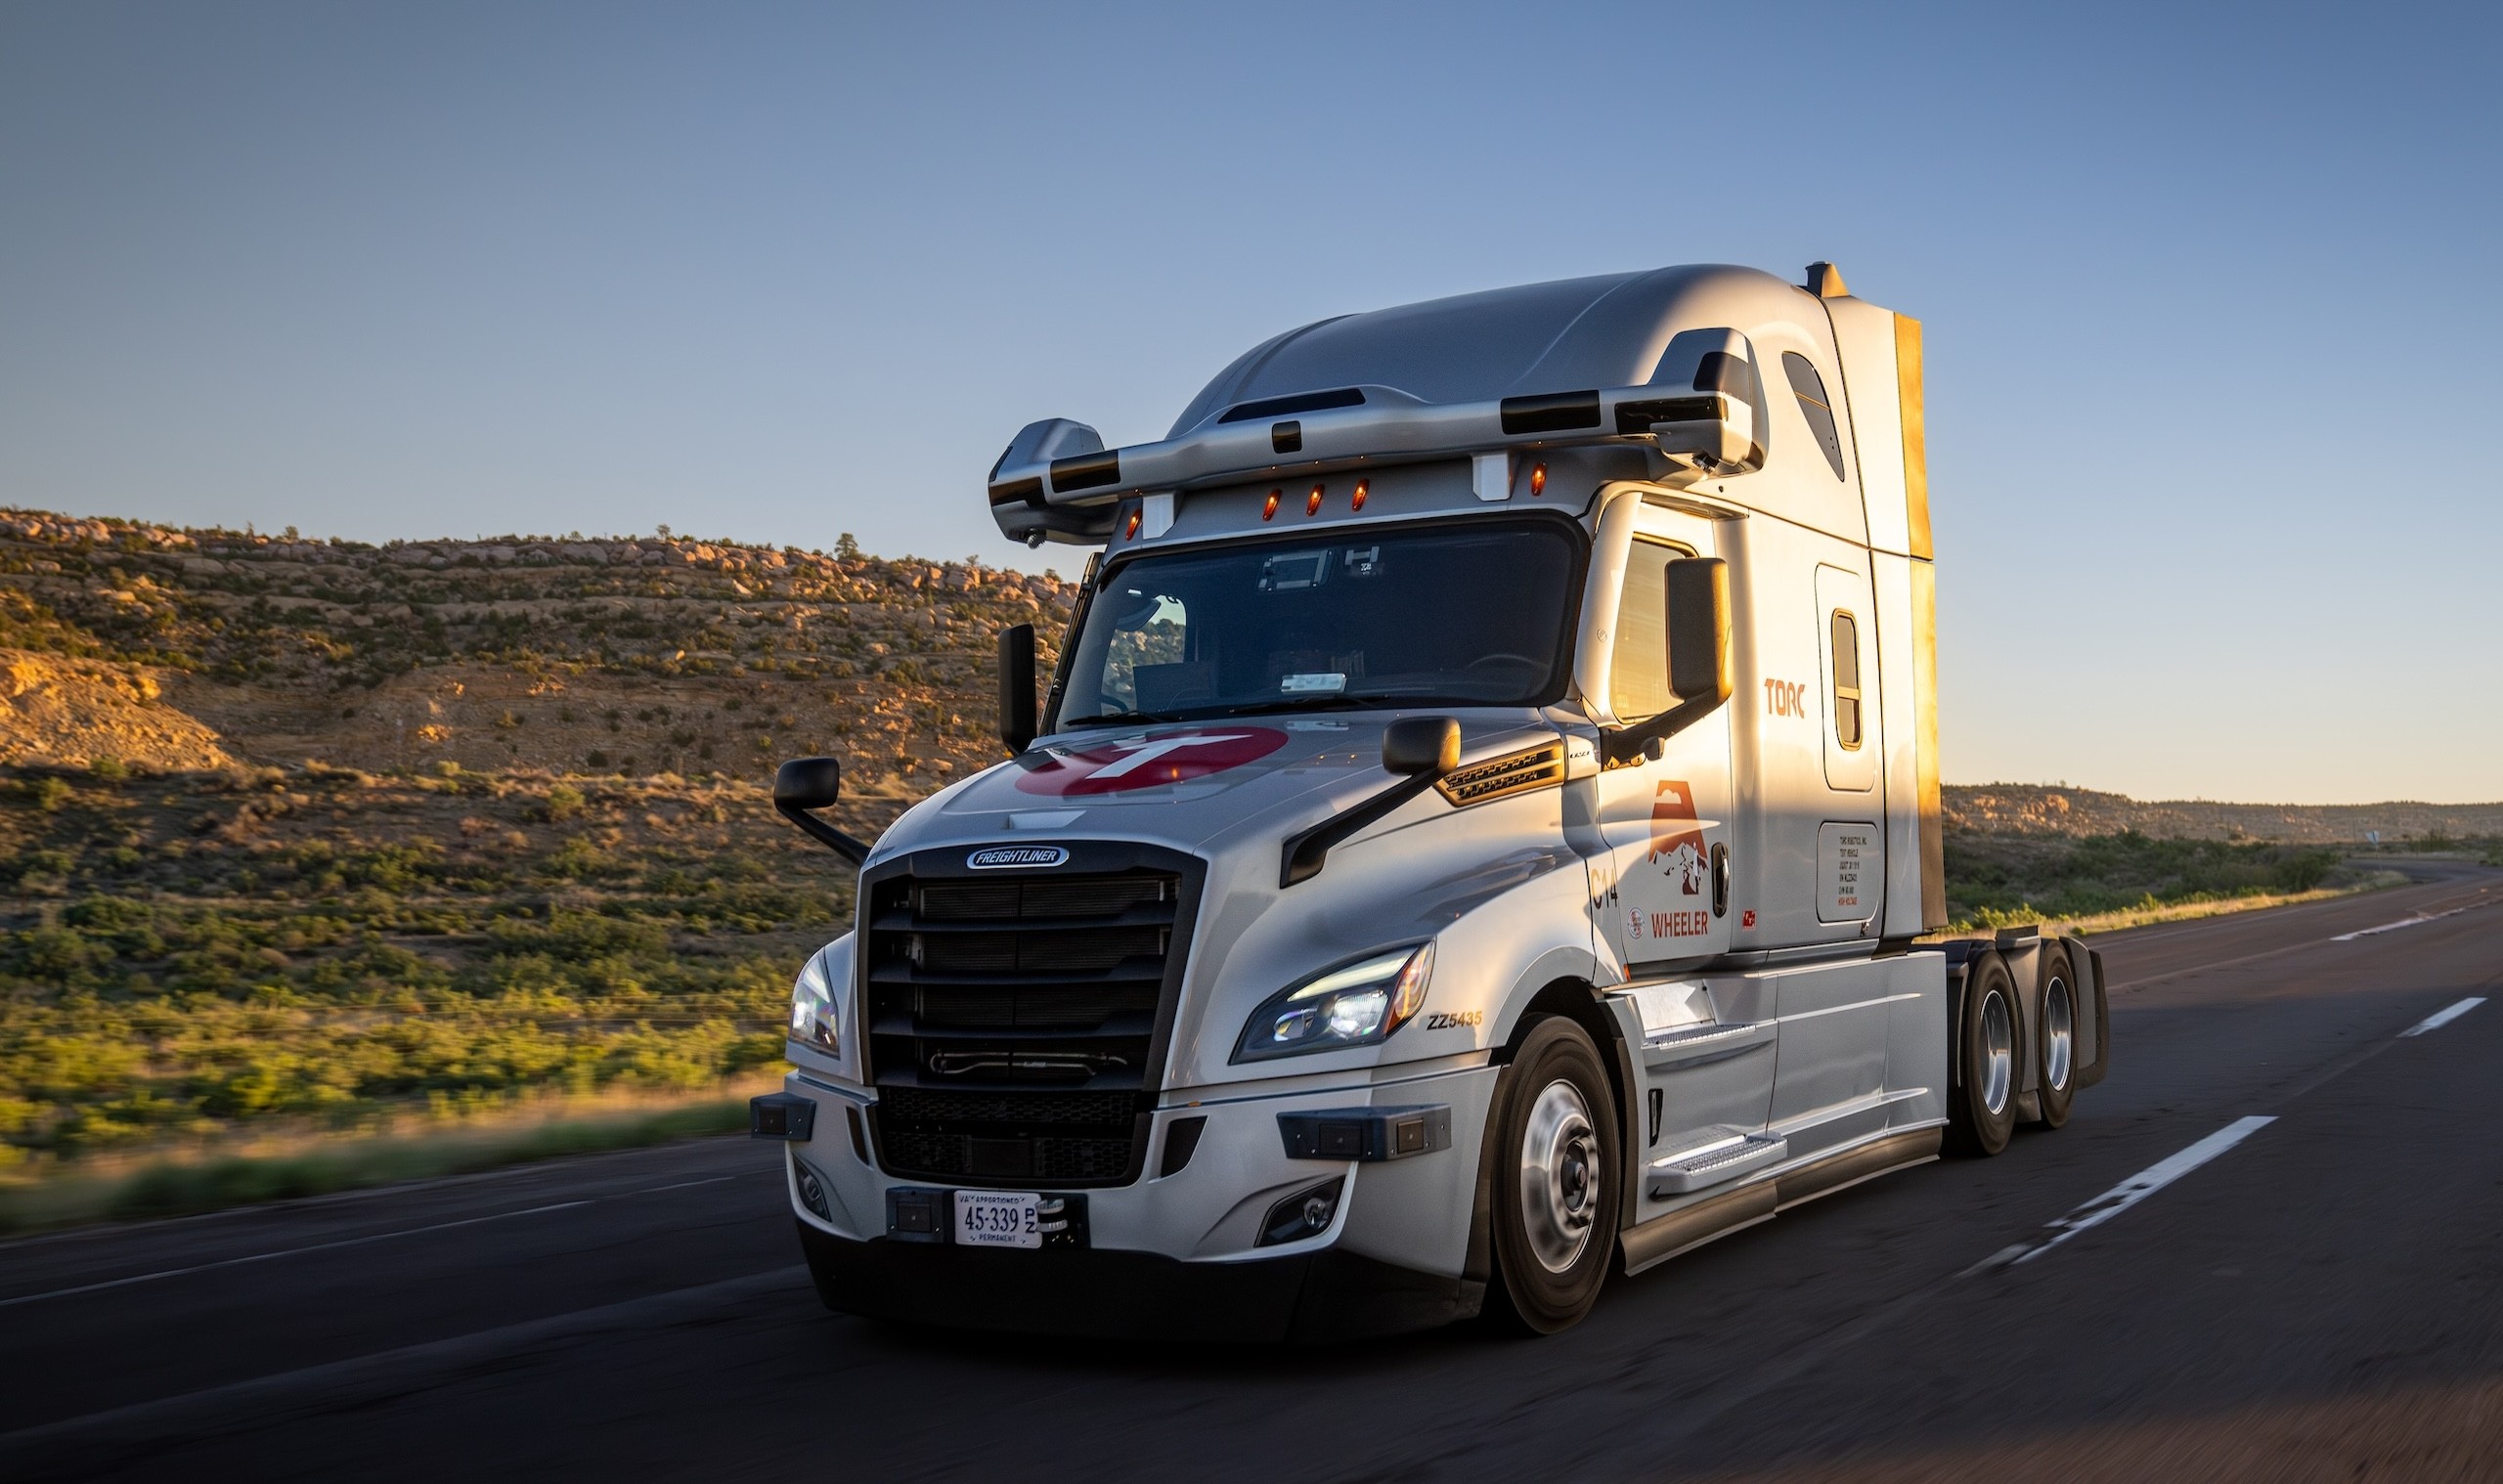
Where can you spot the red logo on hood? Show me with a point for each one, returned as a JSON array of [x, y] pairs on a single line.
[[1159, 758]]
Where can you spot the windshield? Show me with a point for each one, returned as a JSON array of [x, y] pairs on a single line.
[[1445, 615]]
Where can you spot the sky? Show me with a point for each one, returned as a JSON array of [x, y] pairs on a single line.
[[2208, 292]]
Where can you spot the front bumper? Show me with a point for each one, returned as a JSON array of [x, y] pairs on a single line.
[[1106, 1293], [1180, 1252]]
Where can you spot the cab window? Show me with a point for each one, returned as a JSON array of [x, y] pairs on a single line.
[[1815, 406]]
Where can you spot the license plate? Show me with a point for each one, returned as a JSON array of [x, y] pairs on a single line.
[[998, 1219]]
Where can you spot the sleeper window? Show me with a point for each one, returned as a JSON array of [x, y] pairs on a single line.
[[1815, 406], [1846, 642]]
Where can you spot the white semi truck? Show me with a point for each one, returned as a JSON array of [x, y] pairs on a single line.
[[1481, 832]]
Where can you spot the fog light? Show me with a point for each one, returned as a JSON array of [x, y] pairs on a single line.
[[813, 1194], [1307, 1212]]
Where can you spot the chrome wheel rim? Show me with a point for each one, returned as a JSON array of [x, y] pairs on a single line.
[[1559, 1176], [2059, 1035], [1998, 1053]]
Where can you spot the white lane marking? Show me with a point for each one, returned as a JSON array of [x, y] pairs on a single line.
[[2129, 1192], [345, 1241], [2392, 927], [653, 1189], [2441, 1018], [2482, 899]]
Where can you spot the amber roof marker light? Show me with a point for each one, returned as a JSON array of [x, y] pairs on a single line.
[[1537, 481], [1356, 501], [1312, 502], [1132, 534], [1269, 509]]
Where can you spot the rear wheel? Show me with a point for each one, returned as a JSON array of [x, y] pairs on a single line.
[[1556, 1192], [2055, 1048], [1981, 1108]]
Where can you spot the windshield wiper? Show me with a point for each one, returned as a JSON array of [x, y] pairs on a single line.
[[1120, 718]]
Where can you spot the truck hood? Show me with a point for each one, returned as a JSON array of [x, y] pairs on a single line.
[[1182, 784]]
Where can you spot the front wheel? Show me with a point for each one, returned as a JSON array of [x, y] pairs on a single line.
[[1556, 1195]]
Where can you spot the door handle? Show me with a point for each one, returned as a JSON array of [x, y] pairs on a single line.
[[1720, 881]]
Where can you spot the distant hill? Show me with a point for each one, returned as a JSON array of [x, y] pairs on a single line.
[[183, 649], [2034, 809]]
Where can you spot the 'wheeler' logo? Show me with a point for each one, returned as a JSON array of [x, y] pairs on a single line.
[[1004, 857]]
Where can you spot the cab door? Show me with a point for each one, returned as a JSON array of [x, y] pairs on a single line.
[[1708, 1053], [1665, 821]]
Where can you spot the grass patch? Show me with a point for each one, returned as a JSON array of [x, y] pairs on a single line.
[[2001, 881], [322, 1164], [2142, 916], [211, 962]]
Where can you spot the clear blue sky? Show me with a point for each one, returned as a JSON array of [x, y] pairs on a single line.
[[2210, 302]]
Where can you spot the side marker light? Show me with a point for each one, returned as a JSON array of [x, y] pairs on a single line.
[[1356, 501], [1132, 533], [1312, 502], [1537, 485], [1270, 507]]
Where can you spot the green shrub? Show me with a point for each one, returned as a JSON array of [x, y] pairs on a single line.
[[1995, 881]]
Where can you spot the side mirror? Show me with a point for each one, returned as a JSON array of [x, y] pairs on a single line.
[[1422, 749], [1017, 686], [1698, 604], [1421, 745], [804, 784]]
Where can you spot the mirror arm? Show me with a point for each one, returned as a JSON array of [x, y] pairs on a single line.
[[823, 833], [1307, 850], [1624, 744]]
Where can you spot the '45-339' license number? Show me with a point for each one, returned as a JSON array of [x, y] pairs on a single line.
[[998, 1219]]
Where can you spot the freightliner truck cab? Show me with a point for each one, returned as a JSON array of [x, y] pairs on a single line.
[[1481, 833]]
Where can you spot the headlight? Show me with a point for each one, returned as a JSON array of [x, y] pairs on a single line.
[[813, 996], [1356, 1004]]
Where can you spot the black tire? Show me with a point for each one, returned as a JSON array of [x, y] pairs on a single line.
[[1989, 1055], [1554, 1213], [2056, 1038]]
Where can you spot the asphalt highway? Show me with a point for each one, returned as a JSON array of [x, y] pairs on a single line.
[[2270, 1245]]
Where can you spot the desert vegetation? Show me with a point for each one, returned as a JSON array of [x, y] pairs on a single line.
[[195, 955], [2001, 880]]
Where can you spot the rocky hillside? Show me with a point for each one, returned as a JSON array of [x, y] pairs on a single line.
[[2033, 809], [189, 649]]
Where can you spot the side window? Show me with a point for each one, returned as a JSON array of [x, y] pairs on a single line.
[[1637, 676], [1815, 406], [1846, 652]]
